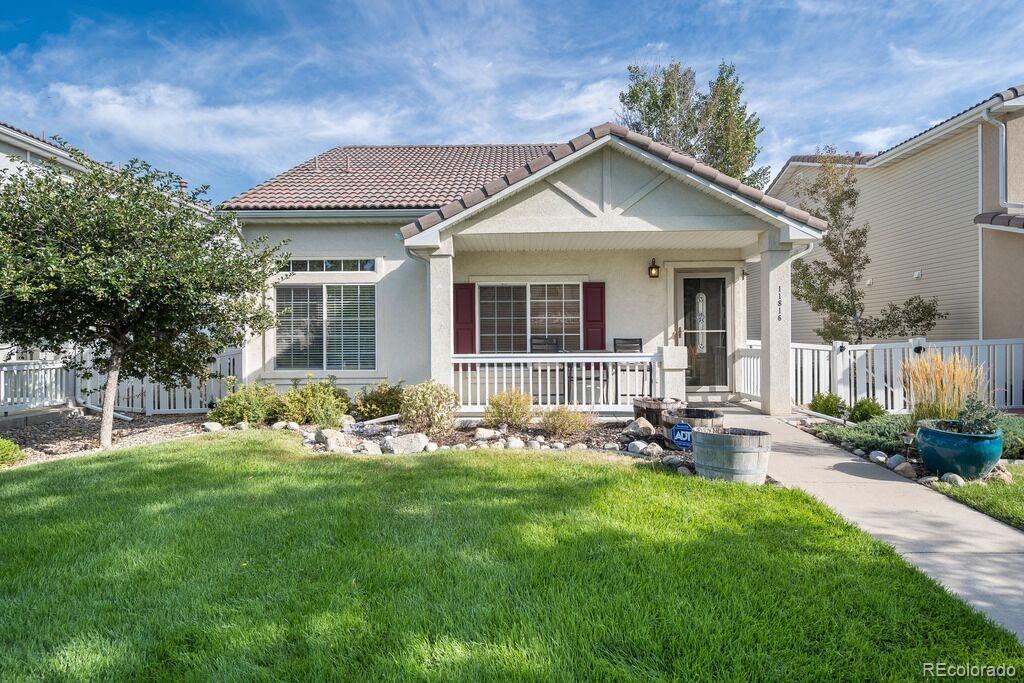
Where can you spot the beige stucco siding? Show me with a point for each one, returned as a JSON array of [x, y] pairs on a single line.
[[921, 210], [1003, 281]]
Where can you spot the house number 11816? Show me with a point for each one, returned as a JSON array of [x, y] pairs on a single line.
[[779, 318]]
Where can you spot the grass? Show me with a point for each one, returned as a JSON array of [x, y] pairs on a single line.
[[1002, 501], [241, 556]]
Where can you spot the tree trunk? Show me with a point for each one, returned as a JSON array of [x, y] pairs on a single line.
[[109, 400]]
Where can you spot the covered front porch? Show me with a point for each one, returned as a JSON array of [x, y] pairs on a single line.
[[607, 275]]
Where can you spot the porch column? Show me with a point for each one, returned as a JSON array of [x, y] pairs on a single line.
[[440, 297], [775, 327]]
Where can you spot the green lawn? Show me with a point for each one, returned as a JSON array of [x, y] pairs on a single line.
[[1002, 501], [239, 556]]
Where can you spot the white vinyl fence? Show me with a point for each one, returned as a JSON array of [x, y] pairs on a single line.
[[33, 384], [856, 371]]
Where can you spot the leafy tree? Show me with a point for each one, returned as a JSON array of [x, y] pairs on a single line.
[[727, 137], [663, 102], [660, 102], [123, 264], [832, 286]]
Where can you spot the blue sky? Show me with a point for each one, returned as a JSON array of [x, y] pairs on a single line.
[[229, 93]]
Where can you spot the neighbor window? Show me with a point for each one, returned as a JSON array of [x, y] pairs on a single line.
[[510, 315], [347, 265], [326, 327]]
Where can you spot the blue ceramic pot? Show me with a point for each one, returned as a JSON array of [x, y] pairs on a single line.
[[972, 456]]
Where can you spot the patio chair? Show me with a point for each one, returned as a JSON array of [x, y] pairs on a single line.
[[628, 345]]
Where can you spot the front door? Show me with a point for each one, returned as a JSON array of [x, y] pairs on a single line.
[[704, 322]]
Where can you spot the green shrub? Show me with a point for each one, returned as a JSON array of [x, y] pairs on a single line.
[[430, 408], [828, 404], [512, 408], [252, 403], [1013, 435], [883, 433], [565, 423], [383, 399], [10, 452], [320, 403], [865, 409], [977, 417]]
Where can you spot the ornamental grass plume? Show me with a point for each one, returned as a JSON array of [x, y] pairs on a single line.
[[939, 386]]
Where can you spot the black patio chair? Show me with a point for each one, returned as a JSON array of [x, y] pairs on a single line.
[[628, 345], [545, 344]]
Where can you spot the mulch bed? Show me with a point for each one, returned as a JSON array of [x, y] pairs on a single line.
[[78, 435]]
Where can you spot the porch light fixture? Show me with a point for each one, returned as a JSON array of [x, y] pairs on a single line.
[[653, 270]]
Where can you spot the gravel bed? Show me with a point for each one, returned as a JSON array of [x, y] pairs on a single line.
[[78, 435]]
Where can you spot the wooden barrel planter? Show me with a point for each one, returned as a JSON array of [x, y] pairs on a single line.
[[695, 417], [732, 454], [651, 409]]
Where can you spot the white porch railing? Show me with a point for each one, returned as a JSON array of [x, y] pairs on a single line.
[[31, 384], [590, 381]]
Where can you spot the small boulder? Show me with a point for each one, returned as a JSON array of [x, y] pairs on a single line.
[[636, 446], [212, 426], [953, 480], [431, 447], [905, 469], [533, 443], [578, 447], [673, 461], [335, 439], [497, 445], [241, 426], [846, 444], [611, 446], [406, 444], [545, 447], [460, 447], [369, 447], [895, 461], [482, 433], [641, 427], [514, 442], [652, 450], [347, 421], [540, 437], [558, 446], [685, 471], [294, 426], [1000, 474], [928, 480], [279, 425], [878, 459], [859, 452]]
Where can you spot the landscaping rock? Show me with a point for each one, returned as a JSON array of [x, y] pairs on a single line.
[[558, 446], [460, 447], [578, 447], [878, 459], [241, 426], [533, 443], [652, 450], [369, 447], [279, 425], [874, 455], [540, 437], [335, 439], [1000, 474], [905, 469], [344, 450], [347, 421], [212, 426], [895, 461], [406, 444], [514, 442], [953, 480], [484, 433], [928, 481], [545, 447], [611, 446], [294, 426], [846, 444], [860, 452], [673, 461], [641, 427], [685, 471], [636, 446], [498, 445], [431, 447]]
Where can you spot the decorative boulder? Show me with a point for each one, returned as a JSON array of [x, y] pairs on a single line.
[[406, 444], [611, 446], [905, 469], [673, 461], [460, 447], [1001, 474], [578, 447], [369, 447], [641, 427], [652, 450], [279, 425], [294, 426], [533, 443], [514, 442], [928, 481], [212, 426], [878, 458], [859, 452], [685, 471], [241, 426], [558, 446], [335, 440], [347, 421], [636, 446], [895, 461], [484, 433], [953, 480], [431, 447]]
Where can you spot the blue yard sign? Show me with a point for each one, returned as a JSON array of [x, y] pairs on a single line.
[[682, 435]]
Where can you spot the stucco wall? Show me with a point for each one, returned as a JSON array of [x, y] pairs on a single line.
[[401, 300], [1003, 256]]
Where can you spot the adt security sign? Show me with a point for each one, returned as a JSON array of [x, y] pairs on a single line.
[[682, 435]]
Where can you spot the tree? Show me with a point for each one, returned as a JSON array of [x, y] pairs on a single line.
[[125, 265], [665, 104], [832, 286], [660, 102], [727, 136]]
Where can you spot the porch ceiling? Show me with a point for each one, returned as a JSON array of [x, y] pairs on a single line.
[[606, 241]]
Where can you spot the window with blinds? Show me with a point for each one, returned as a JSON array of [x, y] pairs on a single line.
[[510, 314], [326, 327]]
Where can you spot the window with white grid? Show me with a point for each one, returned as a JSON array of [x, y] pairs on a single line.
[[509, 315], [503, 319], [351, 327], [326, 327], [300, 328], [555, 312]]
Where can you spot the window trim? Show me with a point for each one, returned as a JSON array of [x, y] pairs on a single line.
[[323, 370], [529, 317]]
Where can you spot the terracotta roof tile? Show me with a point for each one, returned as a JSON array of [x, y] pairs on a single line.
[[1008, 220]]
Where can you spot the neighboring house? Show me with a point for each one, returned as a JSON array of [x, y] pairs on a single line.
[[940, 226], [499, 266]]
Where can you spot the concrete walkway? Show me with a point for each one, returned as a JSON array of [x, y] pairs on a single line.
[[974, 556]]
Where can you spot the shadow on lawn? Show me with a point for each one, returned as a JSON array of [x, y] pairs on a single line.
[[239, 564]]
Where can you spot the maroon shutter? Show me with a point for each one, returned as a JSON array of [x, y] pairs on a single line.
[[465, 317], [593, 316]]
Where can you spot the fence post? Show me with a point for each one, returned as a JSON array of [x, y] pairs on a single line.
[[839, 367]]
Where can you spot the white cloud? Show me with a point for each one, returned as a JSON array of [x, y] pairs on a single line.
[[877, 139]]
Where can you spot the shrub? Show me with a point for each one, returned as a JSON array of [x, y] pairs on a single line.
[[10, 452], [939, 386], [320, 403], [430, 408], [865, 409], [512, 408], [383, 399], [977, 417], [252, 403], [828, 404], [883, 433], [565, 423]]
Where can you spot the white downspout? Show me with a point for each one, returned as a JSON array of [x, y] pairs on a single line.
[[805, 252], [1003, 201]]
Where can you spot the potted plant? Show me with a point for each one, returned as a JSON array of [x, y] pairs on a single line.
[[970, 445]]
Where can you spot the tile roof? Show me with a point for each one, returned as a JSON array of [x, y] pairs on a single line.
[[1009, 220], [386, 177], [659, 150], [28, 134], [857, 158]]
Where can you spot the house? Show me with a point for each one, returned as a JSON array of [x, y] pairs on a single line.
[[585, 273], [944, 209]]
